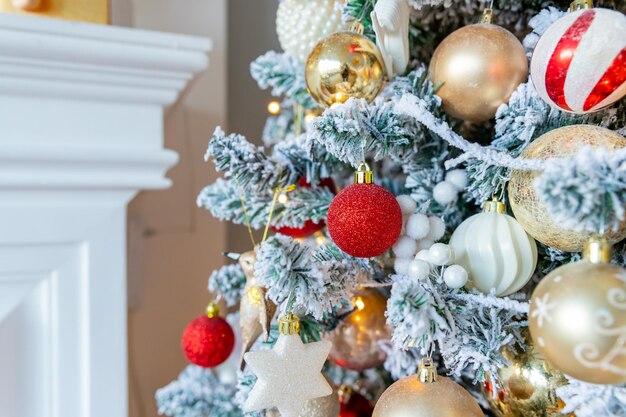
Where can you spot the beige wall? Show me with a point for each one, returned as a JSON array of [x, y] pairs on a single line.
[[251, 32], [173, 246]]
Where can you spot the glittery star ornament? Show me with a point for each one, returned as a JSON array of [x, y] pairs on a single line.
[[290, 374]]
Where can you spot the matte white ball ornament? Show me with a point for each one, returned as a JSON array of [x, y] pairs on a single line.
[[405, 247], [496, 251], [301, 24], [407, 204], [458, 178], [417, 226], [437, 229], [445, 193], [455, 276], [401, 266]]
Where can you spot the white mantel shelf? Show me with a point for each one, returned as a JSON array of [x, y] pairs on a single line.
[[81, 132]]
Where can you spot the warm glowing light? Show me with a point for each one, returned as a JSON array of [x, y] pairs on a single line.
[[340, 97], [282, 199], [273, 107], [320, 239], [308, 118], [359, 303]]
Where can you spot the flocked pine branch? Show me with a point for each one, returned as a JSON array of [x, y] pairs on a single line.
[[469, 328], [197, 393], [302, 282], [252, 170], [223, 200], [247, 164], [586, 192], [357, 129], [590, 400], [284, 74], [228, 282]]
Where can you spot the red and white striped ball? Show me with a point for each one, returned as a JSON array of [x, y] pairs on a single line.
[[579, 64]]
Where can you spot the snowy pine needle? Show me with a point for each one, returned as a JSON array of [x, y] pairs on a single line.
[[586, 192]]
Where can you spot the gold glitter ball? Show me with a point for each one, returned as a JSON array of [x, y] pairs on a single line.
[[530, 212]]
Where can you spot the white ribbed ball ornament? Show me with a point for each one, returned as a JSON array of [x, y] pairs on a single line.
[[495, 250], [301, 24]]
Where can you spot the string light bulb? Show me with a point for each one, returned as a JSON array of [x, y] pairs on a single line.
[[309, 117], [320, 239], [282, 198], [273, 107]]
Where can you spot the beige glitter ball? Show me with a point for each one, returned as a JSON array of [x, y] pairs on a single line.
[[530, 211]]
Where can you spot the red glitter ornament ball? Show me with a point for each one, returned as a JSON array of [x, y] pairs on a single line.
[[208, 341], [364, 220], [356, 406], [309, 227]]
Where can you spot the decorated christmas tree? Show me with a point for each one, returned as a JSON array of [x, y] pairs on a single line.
[[441, 207]]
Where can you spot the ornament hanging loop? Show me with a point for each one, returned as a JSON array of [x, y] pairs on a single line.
[[427, 373], [363, 175], [580, 5]]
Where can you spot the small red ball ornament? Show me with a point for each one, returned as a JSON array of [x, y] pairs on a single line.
[[309, 227], [364, 219], [208, 340], [579, 63], [353, 404]]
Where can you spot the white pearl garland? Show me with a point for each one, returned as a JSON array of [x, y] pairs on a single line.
[[301, 24]]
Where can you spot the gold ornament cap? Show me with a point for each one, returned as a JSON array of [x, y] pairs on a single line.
[[427, 373], [580, 5], [345, 393], [494, 206], [289, 324], [598, 250], [363, 174], [487, 17], [212, 310]]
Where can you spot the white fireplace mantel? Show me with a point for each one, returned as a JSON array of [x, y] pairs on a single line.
[[81, 132]]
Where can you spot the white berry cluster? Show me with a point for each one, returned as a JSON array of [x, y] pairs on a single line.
[[416, 251], [447, 191]]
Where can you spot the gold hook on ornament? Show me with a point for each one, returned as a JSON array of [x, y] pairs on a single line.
[[487, 17], [580, 5], [363, 174]]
